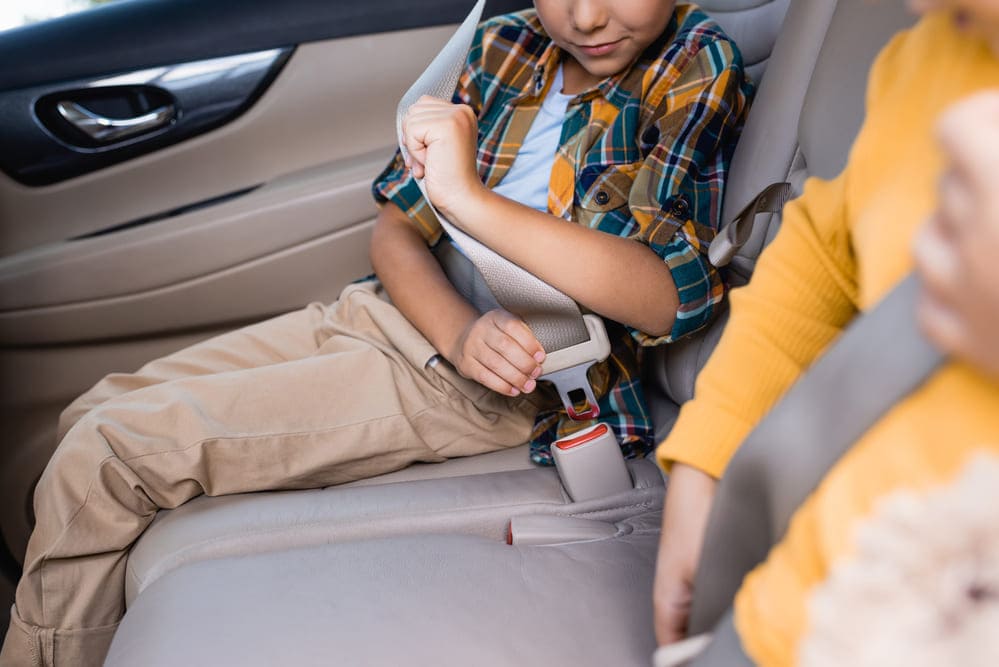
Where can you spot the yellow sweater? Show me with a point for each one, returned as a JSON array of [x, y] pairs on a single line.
[[844, 244]]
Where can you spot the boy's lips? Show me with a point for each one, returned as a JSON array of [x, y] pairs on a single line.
[[600, 49]]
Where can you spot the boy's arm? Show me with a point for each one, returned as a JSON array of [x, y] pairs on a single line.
[[496, 349], [414, 280], [658, 282], [596, 269]]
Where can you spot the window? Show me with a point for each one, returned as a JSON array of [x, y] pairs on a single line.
[[16, 13]]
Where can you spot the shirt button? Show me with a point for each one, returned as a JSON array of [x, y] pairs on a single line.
[[601, 197], [681, 207], [651, 136]]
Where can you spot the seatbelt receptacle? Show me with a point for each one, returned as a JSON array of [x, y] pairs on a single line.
[[590, 464]]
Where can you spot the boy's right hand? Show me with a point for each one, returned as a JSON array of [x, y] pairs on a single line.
[[498, 350]]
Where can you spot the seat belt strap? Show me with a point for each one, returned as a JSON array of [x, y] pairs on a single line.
[[572, 341], [725, 649], [721, 648], [880, 359], [735, 234]]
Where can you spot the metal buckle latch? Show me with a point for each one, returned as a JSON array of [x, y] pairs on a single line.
[[566, 368]]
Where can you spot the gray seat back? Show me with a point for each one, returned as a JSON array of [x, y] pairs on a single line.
[[756, 26], [807, 111], [878, 361], [753, 24], [820, 93]]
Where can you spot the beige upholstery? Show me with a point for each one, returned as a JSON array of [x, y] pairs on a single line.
[[208, 528], [450, 600], [833, 108], [753, 24]]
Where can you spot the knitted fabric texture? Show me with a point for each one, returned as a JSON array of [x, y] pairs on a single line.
[[923, 587]]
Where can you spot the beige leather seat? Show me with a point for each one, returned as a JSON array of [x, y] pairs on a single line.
[[251, 523], [417, 572]]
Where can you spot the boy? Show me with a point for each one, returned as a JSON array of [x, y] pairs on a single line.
[[629, 112], [849, 241]]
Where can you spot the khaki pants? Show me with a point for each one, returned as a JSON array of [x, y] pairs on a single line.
[[313, 398]]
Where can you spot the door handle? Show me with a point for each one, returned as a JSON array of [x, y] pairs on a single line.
[[108, 130]]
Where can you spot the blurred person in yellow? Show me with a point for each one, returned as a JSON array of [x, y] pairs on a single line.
[[920, 162]]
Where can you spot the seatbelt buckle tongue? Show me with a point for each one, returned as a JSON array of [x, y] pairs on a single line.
[[566, 368], [570, 380]]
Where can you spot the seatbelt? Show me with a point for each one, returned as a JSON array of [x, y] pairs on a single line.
[[734, 235], [881, 358], [572, 341]]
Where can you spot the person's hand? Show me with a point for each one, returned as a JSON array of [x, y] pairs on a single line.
[[441, 138], [685, 517], [499, 351], [957, 253]]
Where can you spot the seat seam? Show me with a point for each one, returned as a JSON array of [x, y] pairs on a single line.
[[176, 557]]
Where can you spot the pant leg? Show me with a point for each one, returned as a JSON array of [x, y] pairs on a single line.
[[294, 335], [364, 404]]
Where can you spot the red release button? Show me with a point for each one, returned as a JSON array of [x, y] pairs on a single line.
[[569, 443]]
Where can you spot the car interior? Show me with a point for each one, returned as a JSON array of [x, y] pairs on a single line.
[[251, 199]]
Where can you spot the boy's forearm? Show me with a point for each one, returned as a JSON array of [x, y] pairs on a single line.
[[616, 277], [415, 282]]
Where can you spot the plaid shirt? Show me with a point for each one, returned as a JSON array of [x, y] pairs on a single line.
[[643, 154]]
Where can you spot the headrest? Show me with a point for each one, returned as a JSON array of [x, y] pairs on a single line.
[[753, 24]]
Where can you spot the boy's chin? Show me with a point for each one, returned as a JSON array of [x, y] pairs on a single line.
[[605, 68]]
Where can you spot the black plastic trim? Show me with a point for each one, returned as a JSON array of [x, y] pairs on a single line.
[[39, 148], [165, 215], [10, 569]]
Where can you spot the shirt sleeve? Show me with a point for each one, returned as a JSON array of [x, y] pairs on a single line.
[[396, 184], [676, 197], [802, 294]]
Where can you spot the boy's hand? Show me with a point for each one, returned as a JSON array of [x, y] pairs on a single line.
[[500, 352], [685, 517], [957, 253], [441, 139]]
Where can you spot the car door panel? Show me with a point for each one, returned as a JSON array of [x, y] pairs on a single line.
[[104, 271], [300, 122], [308, 150], [332, 199]]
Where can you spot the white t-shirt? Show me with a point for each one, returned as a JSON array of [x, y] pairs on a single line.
[[527, 180]]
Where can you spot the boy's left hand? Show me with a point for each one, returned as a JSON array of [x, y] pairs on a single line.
[[957, 253], [441, 138]]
